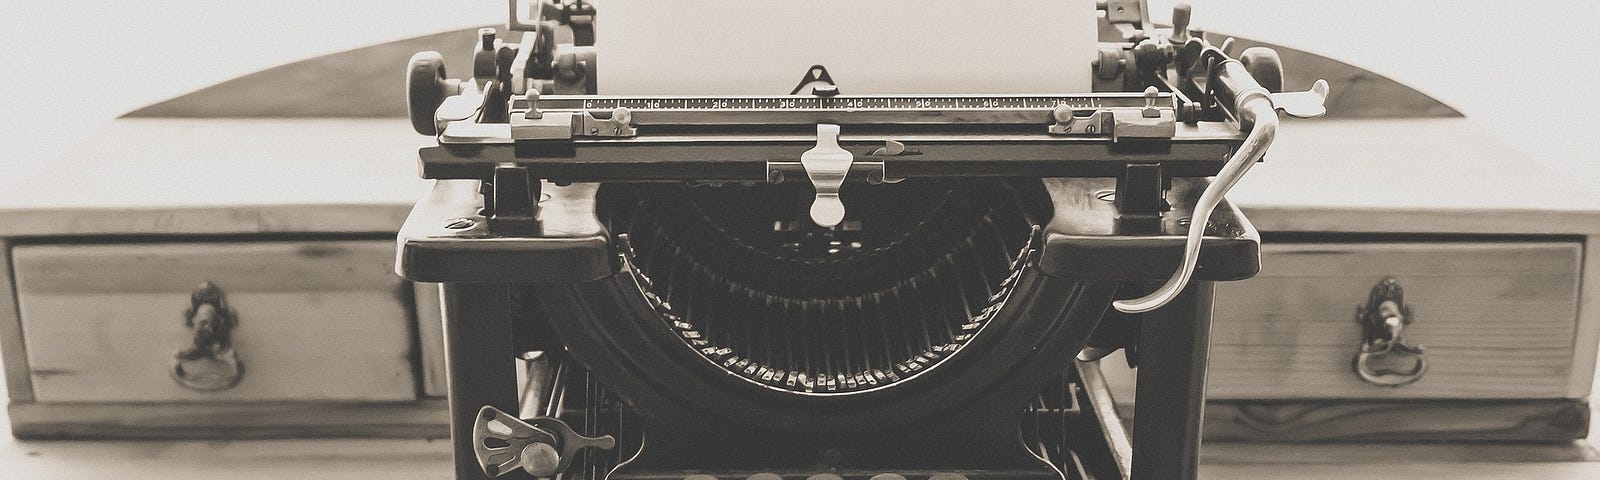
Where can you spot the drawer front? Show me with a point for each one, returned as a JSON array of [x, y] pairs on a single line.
[[315, 320], [1496, 320]]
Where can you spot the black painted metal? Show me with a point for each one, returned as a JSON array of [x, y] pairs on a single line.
[[1141, 198], [1171, 387], [1089, 238], [674, 159], [479, 362], [962, 416], [447, 239], [516, 201]]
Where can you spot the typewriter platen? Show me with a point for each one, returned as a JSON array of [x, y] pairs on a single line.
[[821, 285]]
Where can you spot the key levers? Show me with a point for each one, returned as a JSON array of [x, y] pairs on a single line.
[[826, 285]]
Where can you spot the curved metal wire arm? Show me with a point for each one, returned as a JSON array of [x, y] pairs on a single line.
[[1255, 145]]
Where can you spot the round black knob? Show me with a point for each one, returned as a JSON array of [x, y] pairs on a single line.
[[426, 89], [1264, 65], [1180, 23]]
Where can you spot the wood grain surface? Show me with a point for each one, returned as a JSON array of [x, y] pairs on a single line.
[[1586, 340], [361, 459], [1399, 421], [13, 351], [1430, 175], [229, 420], [318, 320], [1497, 320], [1414, 176], [1421, 470], [1367, 454], [207, 177]]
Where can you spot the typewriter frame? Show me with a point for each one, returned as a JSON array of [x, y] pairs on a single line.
[[447, 240], [528, 219]]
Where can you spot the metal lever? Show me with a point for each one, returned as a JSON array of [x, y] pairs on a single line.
[[1258, 111], [1307, 104], [527, 14], [541, 446], [826, 165]]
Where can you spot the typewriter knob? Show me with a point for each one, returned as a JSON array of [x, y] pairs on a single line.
[[1264, 65], [483, 61], [426, 89], [568, 68], [1180, 23]]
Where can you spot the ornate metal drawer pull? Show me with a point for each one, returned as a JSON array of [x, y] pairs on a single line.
[[208, 363], [1385, 359]]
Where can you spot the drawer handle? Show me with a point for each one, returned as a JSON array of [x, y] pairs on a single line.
[[208, 363], [1385, 359]]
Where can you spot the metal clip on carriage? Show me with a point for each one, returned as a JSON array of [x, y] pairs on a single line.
[[823, 286]]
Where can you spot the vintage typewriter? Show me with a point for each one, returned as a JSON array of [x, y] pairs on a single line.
[[827, 286]]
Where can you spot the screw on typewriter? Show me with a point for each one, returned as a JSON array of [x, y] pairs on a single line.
[[828, 285]]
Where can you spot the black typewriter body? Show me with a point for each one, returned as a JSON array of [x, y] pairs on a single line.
[[827, 286]]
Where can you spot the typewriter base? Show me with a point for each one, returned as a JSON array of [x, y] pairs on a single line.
[[1094, 445], [484, 322], [1082, 436]]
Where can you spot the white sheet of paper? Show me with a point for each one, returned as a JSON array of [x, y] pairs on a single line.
[[765, 47]]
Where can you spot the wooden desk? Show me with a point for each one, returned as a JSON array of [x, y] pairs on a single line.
[[362, 459], [425, 460], [298, 175]]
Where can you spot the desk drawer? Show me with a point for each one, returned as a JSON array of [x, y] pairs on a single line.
[[1497, 320], [323, 320]]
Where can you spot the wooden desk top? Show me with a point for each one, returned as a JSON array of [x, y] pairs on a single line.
[[430, 460], [339, 459], [1447, 175], [209, 176], [188, 176]]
